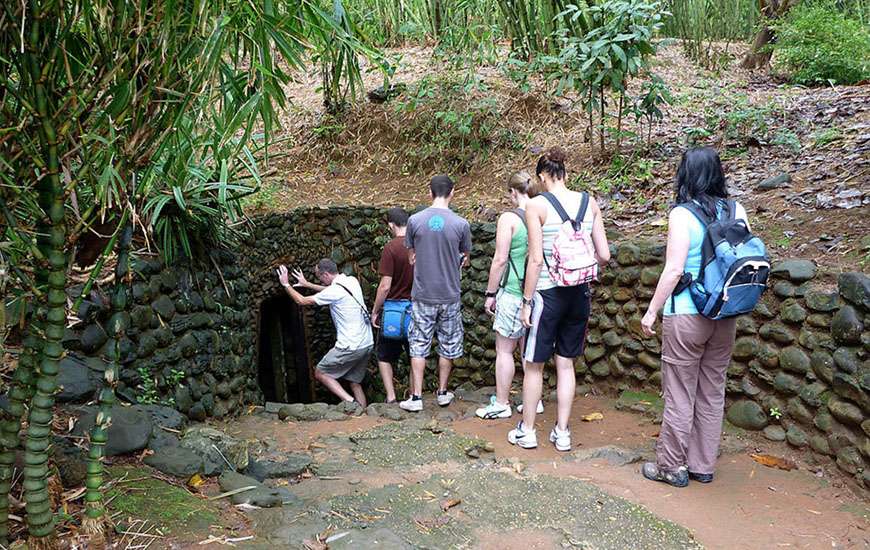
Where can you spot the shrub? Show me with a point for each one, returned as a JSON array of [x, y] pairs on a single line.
[[817, 43]]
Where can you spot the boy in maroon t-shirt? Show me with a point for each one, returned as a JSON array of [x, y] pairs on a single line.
[[397, 276]]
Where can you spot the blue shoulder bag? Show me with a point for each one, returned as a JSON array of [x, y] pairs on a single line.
[[396, 319]]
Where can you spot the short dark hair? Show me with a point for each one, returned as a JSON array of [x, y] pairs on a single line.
[[700, 178], [397, 216], [552, 162], [441, 186], [326, 265]]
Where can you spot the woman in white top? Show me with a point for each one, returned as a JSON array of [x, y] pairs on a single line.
[[556, 314]]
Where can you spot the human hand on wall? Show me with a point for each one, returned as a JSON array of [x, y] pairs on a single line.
[[300, 278], [283, 275]]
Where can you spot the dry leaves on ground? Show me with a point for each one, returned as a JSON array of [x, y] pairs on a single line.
[[772, 461]]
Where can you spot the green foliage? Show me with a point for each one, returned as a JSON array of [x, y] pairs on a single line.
[[449, 120], [817, 43], [788, 139], [615, 49], [647, 107], [826, 136], [623, 172], [709, 28]]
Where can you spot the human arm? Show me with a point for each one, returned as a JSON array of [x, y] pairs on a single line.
[[599, 237], [380, 297], [465, 246], [284, 279], [305, 283], [503, 234], [675, 263], [412, 256], [536, 215]]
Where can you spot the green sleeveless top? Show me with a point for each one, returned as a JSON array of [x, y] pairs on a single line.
[[517, 272]]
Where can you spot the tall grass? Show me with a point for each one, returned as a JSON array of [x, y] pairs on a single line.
[[709, 28], [712, 19]]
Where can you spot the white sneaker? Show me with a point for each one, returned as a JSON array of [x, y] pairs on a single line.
[[538, 410], [561, 439], [494, 410], [444, 398], [521, 437], [411, 404]]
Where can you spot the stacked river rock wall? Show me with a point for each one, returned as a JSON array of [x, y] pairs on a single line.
[[188, 343], [800, 370]]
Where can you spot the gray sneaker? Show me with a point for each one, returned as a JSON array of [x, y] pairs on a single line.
[[679, 478]]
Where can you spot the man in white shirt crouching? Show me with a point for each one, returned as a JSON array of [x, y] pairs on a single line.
[[349, 357]]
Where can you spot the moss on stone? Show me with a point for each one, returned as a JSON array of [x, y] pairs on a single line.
[[137, 494]]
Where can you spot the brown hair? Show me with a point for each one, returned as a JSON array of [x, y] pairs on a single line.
[[552, 162], [521, 182]]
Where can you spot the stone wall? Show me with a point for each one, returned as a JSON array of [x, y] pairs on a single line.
[[189, 342], [800, 369]]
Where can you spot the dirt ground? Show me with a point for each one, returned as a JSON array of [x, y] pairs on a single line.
[[819, 137], [506, 497]]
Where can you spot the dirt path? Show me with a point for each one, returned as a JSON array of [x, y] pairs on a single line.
[[378, 481]]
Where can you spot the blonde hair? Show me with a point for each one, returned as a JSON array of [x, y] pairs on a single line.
[[522, 182]]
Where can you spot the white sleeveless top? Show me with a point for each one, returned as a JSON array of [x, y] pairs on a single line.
[[570, 201]]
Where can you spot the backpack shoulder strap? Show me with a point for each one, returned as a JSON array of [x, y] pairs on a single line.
[[584, 204], [557, 205], [521, 213], [697, 211], [731, 207]]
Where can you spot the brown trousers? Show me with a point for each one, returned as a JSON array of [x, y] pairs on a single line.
[[696, 352]]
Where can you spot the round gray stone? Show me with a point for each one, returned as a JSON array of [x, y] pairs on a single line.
[[774, 432], [747, 415]]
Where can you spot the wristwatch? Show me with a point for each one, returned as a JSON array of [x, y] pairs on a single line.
[[489, 294], [526, 302]]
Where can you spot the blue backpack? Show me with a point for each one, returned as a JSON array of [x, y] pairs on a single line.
[[734, 266], [396, 319]]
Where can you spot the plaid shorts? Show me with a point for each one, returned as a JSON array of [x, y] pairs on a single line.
[[508, 320], [441, 320]]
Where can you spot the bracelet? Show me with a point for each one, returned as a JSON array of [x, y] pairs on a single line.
[[489, 294]]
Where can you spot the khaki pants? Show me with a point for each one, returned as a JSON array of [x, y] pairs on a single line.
[[696, 352]]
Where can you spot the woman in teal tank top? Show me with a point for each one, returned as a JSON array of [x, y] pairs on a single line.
[[504, 297], [696, 351]]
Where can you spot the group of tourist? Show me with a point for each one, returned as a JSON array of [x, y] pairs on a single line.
[[548, 249]]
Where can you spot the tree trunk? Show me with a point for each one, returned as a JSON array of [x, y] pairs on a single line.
[[51, 242], [94, 523], [759, 56], [19, 395]]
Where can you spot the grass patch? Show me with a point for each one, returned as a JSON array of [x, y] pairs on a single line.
[[148, 498]]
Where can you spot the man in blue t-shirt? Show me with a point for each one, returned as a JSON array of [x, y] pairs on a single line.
[[438, 242]]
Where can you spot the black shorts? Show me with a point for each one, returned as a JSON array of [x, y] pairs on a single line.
[[560, 316], [390, 349]]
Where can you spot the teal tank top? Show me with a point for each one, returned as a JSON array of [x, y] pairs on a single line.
[[682, 303], [516, 268]]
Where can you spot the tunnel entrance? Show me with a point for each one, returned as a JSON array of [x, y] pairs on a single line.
[[284, 373]]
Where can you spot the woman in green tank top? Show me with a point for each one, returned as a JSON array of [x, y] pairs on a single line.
[[504, 293]]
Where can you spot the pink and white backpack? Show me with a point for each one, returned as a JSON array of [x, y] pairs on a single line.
[[573, 254]]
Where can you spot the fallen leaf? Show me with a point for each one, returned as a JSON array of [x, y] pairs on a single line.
[[592, 417], [196, 481], [449, 503], [772, 461]]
